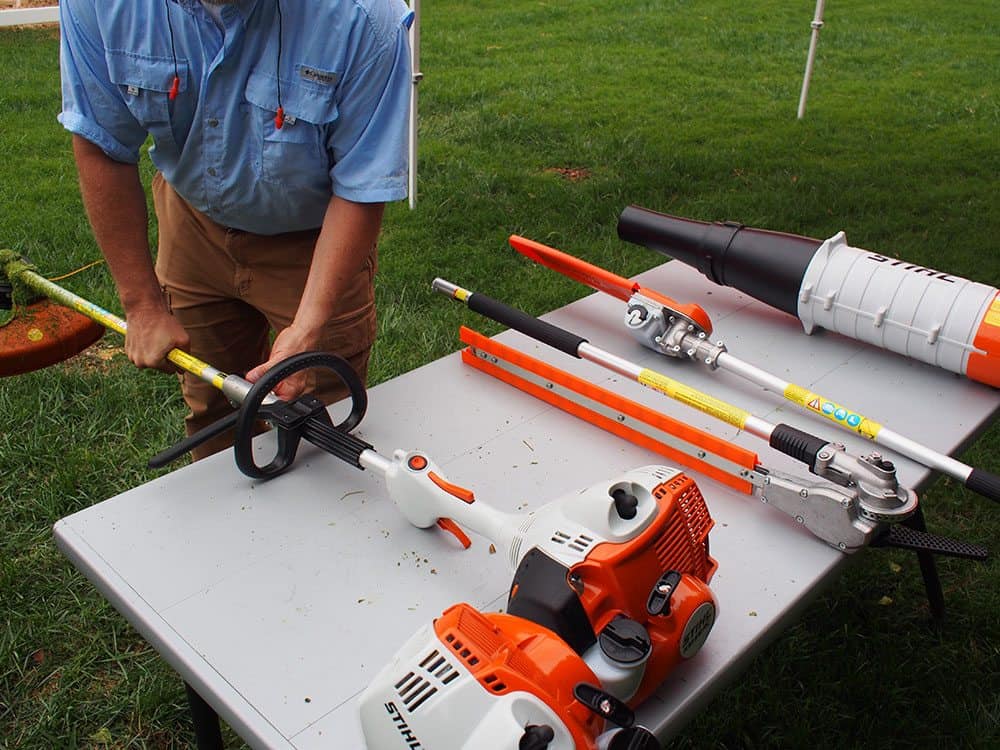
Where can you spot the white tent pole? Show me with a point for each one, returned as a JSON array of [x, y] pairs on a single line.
[[417, 76], [817, 24]]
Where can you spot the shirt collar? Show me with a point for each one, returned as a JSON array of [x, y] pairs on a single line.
[[245, 7]]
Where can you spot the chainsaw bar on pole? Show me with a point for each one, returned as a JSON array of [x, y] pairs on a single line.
[[712, 456]]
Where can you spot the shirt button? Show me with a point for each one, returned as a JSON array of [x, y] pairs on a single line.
[[211, 171], [212, 123]]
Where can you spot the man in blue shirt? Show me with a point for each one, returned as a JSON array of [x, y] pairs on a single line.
[[278, 133]]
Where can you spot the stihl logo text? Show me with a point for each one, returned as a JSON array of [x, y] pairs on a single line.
[[910, 267], [402, 727]]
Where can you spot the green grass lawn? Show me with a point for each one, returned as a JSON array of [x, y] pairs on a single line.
[[684, 107]]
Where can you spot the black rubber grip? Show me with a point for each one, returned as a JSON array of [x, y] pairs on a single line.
[[798, 444], [558, 338], [984, 483]]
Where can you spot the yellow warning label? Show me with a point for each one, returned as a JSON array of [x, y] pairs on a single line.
[[694, 398], [993, 314], [832, 411]]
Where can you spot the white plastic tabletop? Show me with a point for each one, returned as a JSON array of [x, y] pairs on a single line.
[[279, 601]]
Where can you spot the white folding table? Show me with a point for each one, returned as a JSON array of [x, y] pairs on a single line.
[[277, 602]]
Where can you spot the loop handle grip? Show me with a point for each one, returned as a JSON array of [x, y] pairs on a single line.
[[290, 434]]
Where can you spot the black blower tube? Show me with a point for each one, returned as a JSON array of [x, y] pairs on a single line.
[[766, 265]]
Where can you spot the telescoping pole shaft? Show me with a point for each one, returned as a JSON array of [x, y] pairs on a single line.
[[787, 439], [579, 347], [846, 418], [233, 386]]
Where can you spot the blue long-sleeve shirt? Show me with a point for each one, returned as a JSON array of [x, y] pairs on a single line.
[[343, 68]]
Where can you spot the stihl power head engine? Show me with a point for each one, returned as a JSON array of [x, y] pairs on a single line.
[[620, 572], [610, 593]]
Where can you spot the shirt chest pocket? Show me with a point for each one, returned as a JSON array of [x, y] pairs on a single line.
[[297, 150], [144, 83]]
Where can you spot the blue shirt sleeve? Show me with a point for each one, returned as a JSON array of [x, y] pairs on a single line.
[[92, 105], [369, 143]]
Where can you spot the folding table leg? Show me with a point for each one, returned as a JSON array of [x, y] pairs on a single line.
[[207, 733]]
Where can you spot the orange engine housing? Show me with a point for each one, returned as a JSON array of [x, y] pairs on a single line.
[[507, 654], [616, 578]]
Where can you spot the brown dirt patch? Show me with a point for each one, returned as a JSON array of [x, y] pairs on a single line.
[[101, 357], [573, 174]]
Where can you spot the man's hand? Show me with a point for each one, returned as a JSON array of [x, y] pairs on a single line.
[[152, 333], [290, 341]]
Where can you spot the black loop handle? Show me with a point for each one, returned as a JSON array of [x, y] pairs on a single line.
[[191, 442], [251, 410]]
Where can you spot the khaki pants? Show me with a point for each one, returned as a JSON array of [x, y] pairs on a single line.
[[230, 289]]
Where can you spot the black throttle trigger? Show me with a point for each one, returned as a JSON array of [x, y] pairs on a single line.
[[658, 602], [604, 705]]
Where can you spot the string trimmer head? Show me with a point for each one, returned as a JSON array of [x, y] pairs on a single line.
[[36, 333]]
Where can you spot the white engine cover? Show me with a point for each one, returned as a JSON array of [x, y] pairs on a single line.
[[426, 699], [570, 526]]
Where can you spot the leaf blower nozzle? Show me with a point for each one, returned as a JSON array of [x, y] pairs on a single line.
[[919, 312], [766, 265]]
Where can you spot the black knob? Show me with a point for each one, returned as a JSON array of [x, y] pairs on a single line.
[[536, 737], [625, 503], [625, 641]]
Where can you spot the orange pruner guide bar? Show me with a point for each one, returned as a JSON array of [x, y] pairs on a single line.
[[712, 456], [603, 280]]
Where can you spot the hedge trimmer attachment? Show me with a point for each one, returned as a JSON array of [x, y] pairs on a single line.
[[860, 503], [681, 331]]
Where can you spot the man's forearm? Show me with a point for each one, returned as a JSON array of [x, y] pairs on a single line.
[[116, 206], [350, 231]]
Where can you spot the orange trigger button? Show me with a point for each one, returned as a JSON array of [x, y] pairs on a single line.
[[453, 528], [461, 493]]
